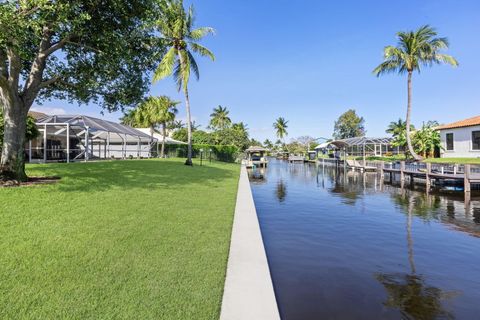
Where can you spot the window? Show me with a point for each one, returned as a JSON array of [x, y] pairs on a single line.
[[449, 138], [475, 140]]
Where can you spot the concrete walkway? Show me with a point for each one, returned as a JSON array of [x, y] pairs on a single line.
[[248, 293]]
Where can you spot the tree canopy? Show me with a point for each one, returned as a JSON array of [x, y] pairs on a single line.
[[82, 50], [349, 125]]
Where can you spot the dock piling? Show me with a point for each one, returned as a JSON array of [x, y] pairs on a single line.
[[467, 178], [427, 175], [402, 171]]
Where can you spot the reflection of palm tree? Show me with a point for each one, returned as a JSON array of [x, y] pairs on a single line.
[[414, 298], [281, 191], [409, 293]]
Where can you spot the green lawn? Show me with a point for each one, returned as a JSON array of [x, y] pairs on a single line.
[[143, 239], [454, 160]]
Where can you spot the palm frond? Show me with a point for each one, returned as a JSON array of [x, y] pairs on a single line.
[[165, 68], [201, 32], [194, 65], [445, 58], [201, 50], [185, 68]]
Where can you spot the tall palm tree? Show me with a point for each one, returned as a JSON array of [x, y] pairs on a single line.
[[178, 34], [280, 126], [414, 49], [156, 111], [219, 118]]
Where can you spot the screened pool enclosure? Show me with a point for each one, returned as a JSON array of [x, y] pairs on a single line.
[[362, 146], [66, 138]]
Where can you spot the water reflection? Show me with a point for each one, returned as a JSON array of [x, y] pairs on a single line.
[[336, 239], [414, 298], [281, 191], [409, 293]]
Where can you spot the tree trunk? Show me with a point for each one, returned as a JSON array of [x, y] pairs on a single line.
[[409, 111], [189, 128], [164, 132], [188, 162], [12, 163], [152, 132]]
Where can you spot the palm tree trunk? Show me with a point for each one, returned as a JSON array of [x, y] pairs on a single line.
[[409, 111], [164, 132], [188, 162], [152, 132]]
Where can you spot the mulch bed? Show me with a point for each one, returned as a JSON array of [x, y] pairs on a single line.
[[32, 181]]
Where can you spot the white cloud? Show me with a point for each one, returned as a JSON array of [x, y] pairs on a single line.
[[49, 110]]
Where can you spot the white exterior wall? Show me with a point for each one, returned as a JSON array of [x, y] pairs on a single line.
[[131, 150], [462, 143]]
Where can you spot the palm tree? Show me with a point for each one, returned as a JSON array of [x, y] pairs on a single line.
[[177, 33], [176, 124], [280, 126], [219, 118], [156, 111], [128, 118], [398, 127], [414, 49], [240, 127]]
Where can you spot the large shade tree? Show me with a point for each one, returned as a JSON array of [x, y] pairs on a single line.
[[177, 32], [415, 49], [349, 125], [79, 50]]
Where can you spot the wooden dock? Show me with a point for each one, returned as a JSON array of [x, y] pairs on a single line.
[[293, 158], [466, 174], [427, 173]]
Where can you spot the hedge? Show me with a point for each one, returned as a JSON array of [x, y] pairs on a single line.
[[219, 153]]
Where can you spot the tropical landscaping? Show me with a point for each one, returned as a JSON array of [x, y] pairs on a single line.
[[100, 238]]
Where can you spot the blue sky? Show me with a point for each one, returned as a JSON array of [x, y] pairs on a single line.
[[309, 61]]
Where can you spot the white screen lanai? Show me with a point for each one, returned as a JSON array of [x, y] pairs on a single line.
[[72, 138]]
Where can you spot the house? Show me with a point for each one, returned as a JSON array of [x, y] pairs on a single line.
[[461, 139]]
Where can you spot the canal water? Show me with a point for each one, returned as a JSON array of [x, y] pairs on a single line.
[[354, 247]]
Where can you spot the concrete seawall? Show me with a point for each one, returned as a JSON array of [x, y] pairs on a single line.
[[248, 293]]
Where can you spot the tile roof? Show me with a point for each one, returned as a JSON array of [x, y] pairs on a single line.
[[474, 121]]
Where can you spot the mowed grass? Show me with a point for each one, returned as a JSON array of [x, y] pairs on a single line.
[[144, 239], [454, 160]]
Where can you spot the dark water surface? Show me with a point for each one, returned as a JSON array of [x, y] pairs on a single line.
[[351, 247]]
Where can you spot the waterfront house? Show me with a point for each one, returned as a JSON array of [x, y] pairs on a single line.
[[461, 139]]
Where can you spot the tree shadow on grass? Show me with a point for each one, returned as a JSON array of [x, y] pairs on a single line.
[[141, 174]]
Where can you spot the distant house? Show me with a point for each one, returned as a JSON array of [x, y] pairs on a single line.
[[461, 139]]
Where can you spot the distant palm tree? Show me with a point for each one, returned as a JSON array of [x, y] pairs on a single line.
[[176, 124], [156, 111], [414, 49], [280, 126], [398, 127], [176, 28], [128, 118], [240, 127], [219, 118]]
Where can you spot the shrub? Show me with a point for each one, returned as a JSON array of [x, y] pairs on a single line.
[[218, 152]]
